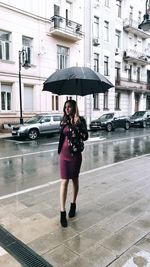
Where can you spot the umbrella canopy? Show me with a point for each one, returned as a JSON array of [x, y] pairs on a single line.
[[76, 81]]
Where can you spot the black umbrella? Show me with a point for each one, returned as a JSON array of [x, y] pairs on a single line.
[[76, 81]]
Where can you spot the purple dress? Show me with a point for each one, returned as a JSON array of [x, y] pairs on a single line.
[[69, 164]]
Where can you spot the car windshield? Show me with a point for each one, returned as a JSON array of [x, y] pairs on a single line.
[[106, 116], [138, 114], [34, 119]]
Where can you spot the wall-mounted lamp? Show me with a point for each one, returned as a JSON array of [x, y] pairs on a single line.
[[145, 25]]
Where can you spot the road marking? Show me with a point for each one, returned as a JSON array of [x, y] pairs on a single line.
[[54, 143], [29, 154], [93, 139], [57, 181]]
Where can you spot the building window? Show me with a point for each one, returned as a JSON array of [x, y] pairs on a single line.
[[28, 98], [138, 74], [107, 3], [117, 101], [55, 102], [117, 73], [105, 100], [130, 73], [96, 27], [96, 101], [5, 97], [27, 46], [96, 62], [106, 31], [62, 57], [148, 79], [148, 102], [68, 10], [106, 59], [68, 14], [118, 4], [118, 37], [5, 45]]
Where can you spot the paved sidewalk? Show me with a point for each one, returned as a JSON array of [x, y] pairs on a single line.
[[112, 226], [4, 135]]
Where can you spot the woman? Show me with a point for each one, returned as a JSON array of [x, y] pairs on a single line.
[[72, 134]]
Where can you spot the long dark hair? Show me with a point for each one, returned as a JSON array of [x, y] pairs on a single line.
[[74, 106]]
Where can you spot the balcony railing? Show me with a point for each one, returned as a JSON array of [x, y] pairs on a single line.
[[63, 27], [131, 25], [134, 56], [132, 85]]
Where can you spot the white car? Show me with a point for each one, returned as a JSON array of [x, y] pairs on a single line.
[[40, 124]]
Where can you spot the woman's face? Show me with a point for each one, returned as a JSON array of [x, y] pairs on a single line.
[[68, 109]]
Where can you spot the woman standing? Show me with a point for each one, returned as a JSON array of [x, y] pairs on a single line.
[[72, 134]]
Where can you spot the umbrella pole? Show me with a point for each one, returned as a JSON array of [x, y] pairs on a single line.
[[76, 104]]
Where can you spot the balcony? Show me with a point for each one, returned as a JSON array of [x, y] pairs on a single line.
[[130, 25], [133, 56], [132, 85], [64, 28]]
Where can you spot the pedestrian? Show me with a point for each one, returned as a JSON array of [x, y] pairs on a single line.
[[73, 133]]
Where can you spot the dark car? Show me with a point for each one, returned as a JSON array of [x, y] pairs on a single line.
[[109, 122], [40, 124], [140, 118]]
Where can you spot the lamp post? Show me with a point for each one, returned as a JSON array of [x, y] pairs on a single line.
[[145, 25], [25, 65]]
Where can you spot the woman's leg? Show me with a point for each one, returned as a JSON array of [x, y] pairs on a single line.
[[63, 196], [63, 193], [75, 189]]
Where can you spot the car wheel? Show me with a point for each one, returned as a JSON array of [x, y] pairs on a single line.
[[33, 134], [127, 125], [144, 124], [109, 127]]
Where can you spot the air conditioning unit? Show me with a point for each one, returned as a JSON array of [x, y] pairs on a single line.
[[127, 67], [117, 51], [96, 41]]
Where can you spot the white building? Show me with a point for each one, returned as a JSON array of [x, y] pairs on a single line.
[[100, 34], [51, 34], [120, 51]]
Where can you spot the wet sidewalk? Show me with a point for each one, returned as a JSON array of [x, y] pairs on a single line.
[[112, 226]]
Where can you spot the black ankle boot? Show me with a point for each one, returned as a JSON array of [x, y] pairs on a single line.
[[63, 219], [72, 211]]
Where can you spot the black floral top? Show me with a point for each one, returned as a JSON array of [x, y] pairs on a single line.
[[77, 135]]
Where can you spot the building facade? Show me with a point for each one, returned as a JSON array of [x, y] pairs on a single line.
[[121, 52], [100, 34]]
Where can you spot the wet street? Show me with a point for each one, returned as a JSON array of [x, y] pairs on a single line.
[[27, 164], [113, 209]]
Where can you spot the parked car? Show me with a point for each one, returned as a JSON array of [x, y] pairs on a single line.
[[38, 125], [109, 122], [140, 118]]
